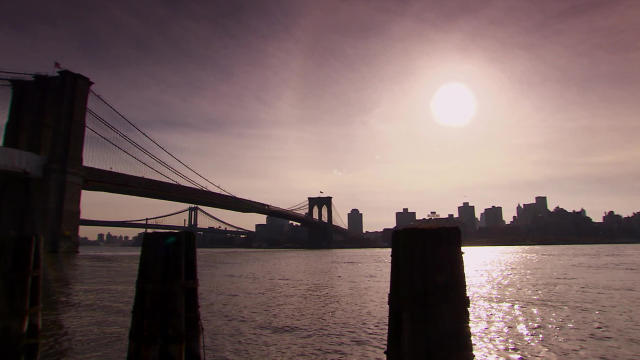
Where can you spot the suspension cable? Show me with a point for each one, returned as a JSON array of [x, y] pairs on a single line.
[[299, 208], [17, 73], [220, 220], [126, 152], [302, 203], [159, 216], [337, 212], [153, 141], [145, 151]]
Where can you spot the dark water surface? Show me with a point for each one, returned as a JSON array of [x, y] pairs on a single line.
[[569, 302]]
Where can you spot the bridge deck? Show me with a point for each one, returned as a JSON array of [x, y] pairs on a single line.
[[132, 225], [118, 183]]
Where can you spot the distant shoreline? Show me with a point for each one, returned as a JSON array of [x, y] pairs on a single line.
[[465, 242], [547, 241]]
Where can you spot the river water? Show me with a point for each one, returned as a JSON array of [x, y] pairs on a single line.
[[527, 302]]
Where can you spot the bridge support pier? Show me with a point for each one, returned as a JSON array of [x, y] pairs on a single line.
[[320, 237], [47, 117]]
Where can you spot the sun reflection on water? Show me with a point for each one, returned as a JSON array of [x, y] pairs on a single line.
[[498, 321]]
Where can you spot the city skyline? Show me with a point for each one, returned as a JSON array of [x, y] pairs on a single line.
[[278, 101], [361, 218]]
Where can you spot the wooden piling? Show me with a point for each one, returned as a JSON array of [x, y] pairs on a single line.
[[428, 303], [20, 258], [165, 322]]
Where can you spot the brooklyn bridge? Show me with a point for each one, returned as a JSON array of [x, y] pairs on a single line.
[[56, 122]]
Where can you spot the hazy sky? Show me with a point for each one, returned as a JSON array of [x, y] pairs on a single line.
[[277, 100]]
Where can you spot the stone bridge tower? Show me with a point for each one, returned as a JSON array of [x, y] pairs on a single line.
[[320, 236], [320, 203]]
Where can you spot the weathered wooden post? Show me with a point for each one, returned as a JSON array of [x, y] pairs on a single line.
[[20, 278], [165, 323], [428, 303]]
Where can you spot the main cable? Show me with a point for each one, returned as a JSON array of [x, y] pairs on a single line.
[[126, 152], [302, 203], [17, 73], [337, 212], [144, 151], [220, 220], [160, 146], [158, 217]]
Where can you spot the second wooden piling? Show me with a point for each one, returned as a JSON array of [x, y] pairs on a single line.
[[165, 323], [428, 303], [20, 309]]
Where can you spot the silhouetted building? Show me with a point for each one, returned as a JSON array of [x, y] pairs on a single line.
[[277, 225], [541, 204], [492, 217], [354, 222], [84, 241], [433, 219], [612, 219], [111, 239], [528, 214], [467, 216], [405, 217]]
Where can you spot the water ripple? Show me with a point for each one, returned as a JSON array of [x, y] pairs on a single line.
[[526, 302]]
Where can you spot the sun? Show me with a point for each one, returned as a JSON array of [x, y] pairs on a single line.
[[453, 104]]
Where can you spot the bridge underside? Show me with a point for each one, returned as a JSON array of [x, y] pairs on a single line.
[[112, 182]]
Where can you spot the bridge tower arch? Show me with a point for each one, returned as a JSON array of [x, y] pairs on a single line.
[[193, 217], [319, 203], [320, 236]]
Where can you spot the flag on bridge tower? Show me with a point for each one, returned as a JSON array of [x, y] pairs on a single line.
[[57, 65]]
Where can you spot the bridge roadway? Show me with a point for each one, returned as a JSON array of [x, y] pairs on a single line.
[[133, 225], [95, 179]]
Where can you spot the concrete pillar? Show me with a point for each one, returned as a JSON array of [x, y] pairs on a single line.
[[428, 303]]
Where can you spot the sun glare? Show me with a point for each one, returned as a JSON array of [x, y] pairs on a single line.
[[453, 104]]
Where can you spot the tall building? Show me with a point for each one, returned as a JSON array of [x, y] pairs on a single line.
[[467, 216], [274, 230], [405, 217], [528, 213], [541, 204], [354, 222], [493, 216], [277, 225], [612, 219]]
